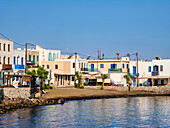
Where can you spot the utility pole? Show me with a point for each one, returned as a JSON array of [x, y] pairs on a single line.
[[137, 69], [99, 53], [26, 57], [75, 70]]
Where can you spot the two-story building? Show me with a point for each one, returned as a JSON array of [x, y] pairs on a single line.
[[115, 69], [6, 58], [152, 73]]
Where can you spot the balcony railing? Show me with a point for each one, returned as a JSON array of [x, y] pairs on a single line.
[[93, 70], [6, 66], [30, 62], [19, 67], [84, 69], [114, 70], [155, 73]]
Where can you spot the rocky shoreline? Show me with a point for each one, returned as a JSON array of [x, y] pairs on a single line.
[[9, 104]]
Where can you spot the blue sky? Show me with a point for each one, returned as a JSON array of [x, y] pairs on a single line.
[[124, 26]]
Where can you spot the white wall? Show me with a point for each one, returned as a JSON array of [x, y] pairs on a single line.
[[43, 54], [117, 78]]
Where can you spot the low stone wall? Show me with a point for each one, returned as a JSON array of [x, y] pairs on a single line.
[[158, 89], [17, 92]]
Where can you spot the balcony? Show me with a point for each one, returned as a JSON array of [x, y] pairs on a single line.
[[155, 73], [19, 66], [84, 69], [93, 69], [6, 66], [30, 62], [114, 70]]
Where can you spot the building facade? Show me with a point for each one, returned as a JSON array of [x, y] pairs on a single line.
[[6, 58], [47, 54]]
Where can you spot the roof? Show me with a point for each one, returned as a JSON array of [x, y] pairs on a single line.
[[107, 60]]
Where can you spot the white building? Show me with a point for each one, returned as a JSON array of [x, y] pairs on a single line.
[[6, 59], [47, 54], [155, 72]]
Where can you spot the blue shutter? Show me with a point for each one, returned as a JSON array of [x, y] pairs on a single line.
[[149, 69], [14, 60], [22, 60], [127, 66], [123, 65]]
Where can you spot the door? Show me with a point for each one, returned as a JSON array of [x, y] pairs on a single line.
[[134, 70], [92, 67]]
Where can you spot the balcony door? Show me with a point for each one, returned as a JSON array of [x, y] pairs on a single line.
[[155, 68], [92, 67]]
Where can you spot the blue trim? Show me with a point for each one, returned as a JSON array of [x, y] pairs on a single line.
[[19, 66], [149, 69], [14, 59]]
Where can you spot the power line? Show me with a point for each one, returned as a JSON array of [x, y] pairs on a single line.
[[9, 39]]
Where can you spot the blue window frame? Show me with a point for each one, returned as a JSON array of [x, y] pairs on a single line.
[[22, 60], [14, 60], [101, 65], [149, 69], [123, 65]]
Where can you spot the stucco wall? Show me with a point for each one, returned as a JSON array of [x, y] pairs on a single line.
[[17, 92]]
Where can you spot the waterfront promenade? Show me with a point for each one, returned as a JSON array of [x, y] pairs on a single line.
[[91, 93]]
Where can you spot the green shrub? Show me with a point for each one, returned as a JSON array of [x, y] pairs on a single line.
[[47, 87], [101, 88]]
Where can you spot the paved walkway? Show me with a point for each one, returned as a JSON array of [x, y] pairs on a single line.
[[74, 93]]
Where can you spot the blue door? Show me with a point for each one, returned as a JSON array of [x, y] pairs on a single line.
[[111, 66], [134, 70], [22, 61], [92, 67]]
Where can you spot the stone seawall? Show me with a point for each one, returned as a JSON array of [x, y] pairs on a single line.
[[17, 92], [158, 89]]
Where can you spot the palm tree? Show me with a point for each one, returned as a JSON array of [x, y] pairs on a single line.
[[104, 76], [129, 79]]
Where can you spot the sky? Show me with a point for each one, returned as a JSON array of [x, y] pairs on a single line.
[[115, 26]]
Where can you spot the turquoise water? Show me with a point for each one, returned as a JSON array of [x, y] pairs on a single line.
[[116, 112]]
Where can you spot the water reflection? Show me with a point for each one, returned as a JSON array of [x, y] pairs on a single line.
[[118, 112]]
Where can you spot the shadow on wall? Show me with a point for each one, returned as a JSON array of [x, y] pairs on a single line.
[[1, 95]]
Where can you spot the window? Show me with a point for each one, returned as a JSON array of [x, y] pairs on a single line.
[[0, 46], [123, 65], [73, 65], [101, 65], [8, 47], [4, 59], [127, 66], [149, 69], [37, 58], [48, 66], [14, 60], [56, 66], [34, 58], [8, 60], [161, 68], [29, 57], [4, 47]]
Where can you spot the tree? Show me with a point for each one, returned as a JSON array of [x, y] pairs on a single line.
[[104, 76], [129, 79], [41, 73], [79, 78]]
